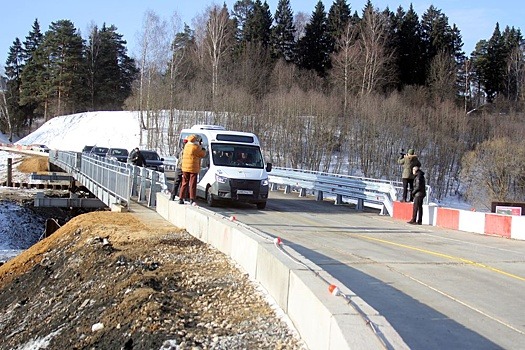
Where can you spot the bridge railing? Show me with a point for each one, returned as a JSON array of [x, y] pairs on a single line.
[[118, 182], [365, 192], [113, 182]]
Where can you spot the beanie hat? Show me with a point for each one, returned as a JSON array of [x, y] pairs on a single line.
[[411, 151]]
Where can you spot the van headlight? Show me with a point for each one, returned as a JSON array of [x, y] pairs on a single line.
[[265, 182], [221, 179]]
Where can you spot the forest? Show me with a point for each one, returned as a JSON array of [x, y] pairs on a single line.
[[341, 90]]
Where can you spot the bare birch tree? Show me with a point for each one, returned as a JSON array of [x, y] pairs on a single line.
[[442, 76], [373, 40], [516, 74], [153, 58], [344, 61], [4, 111], [177, 56], [216, 42]]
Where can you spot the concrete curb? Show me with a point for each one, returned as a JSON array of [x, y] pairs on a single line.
[[299, 287]]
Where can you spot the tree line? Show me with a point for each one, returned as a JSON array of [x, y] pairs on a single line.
[[58, 72], [323, 90]]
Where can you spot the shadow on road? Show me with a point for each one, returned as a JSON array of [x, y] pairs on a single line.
[[420, 326]]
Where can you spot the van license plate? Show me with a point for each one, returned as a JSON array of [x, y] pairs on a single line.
[[244, 192]]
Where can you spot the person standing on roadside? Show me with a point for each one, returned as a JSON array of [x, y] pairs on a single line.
[[178, 173], [193, 152], [419, 192], [137, 158], [409, 161]]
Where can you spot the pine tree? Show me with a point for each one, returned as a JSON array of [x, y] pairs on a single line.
[[437, 36], [408, 45], [494, 77], [13, 115], [33, 41], [337, 21], [28, 97], [313, 48], [67, 70], [283, 32], [111, 71], [258, 24], [242, 9], [515, 64]]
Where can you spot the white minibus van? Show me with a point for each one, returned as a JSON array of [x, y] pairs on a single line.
[[233, 168]]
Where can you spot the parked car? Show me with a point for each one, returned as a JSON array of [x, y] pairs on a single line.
[[120, 154], [87, 149], [99, 151], [40, 148], [153, 160]]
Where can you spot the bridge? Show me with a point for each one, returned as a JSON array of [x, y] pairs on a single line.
[[347, 276]]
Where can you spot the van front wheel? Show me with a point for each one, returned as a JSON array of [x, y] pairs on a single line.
[[261, 206], [209, 198]]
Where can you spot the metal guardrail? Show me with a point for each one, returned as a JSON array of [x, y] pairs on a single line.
[[364, 192]]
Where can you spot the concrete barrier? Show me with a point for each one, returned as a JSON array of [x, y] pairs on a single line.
[[298, 286], [508, 226]]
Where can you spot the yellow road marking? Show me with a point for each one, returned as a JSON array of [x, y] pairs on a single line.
[[441, 255]]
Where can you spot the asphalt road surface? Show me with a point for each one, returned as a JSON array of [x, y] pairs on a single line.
[[440, 289]]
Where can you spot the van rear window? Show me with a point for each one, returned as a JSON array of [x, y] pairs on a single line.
[[235, 138]]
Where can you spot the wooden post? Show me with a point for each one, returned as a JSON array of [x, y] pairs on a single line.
[[9, 172]]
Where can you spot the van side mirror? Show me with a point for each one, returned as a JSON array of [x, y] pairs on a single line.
[[268, 167]]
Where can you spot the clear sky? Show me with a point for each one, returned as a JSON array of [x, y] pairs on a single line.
[[475, 19]]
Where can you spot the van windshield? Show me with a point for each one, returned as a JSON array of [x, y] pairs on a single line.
[[235, 155]]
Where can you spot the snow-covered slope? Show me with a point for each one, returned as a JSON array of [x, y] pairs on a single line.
[[73, 132]]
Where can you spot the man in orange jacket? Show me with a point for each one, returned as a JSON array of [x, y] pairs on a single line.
[[191, 165]]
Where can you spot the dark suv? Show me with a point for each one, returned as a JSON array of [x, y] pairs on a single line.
[[153, 160], [120, 154], [87, 149], [99, 151]]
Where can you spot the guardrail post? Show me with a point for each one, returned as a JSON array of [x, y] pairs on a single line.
[[319, 195], [135, 180], [338, 199], [360, 204], [287, 189], [153, 189], [143, 184], [302, 192]]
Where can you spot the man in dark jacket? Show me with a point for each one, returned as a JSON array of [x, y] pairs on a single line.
[[137, 158], [409, 161], [419, 192], [178, 174]]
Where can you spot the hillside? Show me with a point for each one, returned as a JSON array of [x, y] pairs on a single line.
[[108, 129]]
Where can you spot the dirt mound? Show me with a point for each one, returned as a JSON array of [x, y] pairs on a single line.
[[33, 164], [108, 281]]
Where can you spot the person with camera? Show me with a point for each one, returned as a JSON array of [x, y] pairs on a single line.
[[192, 154], [408, 161]]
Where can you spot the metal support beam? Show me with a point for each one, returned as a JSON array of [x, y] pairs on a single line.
[[42, 201], [52, 177]]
